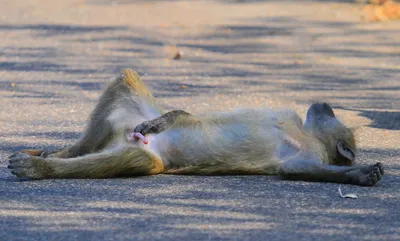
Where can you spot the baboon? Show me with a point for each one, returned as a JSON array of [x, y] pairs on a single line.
[[256, 141]]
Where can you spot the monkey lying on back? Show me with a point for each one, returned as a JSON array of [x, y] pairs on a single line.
[[247, 141]]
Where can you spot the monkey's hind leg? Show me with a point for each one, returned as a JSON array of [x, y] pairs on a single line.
[[126, 101], [128, 161]]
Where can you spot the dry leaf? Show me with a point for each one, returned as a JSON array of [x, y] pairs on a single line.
[[381, 10], [178, 55], [183, 87], [173, 52], [350, 195]]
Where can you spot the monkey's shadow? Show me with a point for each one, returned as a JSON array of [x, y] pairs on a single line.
[[389, 120], [383, 119]]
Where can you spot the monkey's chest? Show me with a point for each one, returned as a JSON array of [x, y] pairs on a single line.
[[288, 148]]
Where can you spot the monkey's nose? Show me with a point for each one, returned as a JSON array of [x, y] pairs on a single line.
[[322, 108]]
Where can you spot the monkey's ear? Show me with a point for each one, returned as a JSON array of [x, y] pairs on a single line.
[[346, 154]]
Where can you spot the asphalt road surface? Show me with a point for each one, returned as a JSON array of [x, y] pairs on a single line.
[[56, 56]]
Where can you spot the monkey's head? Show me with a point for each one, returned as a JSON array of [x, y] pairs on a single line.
[[339, 140]]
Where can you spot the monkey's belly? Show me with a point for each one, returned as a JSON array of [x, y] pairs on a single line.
[[227, 145]]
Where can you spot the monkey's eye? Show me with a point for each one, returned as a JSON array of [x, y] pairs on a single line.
[[346, 149]]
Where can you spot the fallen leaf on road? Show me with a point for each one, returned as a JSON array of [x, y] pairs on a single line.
[[178, 55], [382, 11], [173, 51]]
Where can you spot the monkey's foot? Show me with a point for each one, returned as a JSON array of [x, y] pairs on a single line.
[[23, 165], [367, 176]]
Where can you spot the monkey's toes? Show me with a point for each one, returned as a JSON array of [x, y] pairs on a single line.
[[23, 165]]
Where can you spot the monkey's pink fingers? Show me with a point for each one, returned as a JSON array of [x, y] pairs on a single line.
[[138, 135]]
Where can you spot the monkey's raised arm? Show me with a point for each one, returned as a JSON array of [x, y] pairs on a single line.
[[312, 170], [161, 123]]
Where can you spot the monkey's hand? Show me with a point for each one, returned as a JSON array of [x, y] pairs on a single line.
[[24, 165], [149, 127], [161, 123], [366, 176]]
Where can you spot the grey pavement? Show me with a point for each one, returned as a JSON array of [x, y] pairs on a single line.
[[56, 57]]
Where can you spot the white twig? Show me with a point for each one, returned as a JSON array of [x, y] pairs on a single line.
[[350, 195]]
